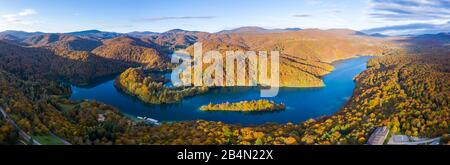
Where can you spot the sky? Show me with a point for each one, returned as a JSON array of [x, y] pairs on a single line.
[[374, 16]]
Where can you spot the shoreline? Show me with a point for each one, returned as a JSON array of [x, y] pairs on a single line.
[[141, 103]]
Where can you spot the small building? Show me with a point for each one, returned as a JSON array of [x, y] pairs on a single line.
[[101, 118], [378, 136]]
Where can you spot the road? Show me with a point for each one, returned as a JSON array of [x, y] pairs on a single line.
[[438, 139], [3, 113], [22, 134], [406, 140]]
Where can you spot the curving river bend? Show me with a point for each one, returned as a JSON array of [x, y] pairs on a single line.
[[301, 103]]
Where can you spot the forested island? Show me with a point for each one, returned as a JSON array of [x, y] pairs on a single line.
[[245, 106], [133, 81]]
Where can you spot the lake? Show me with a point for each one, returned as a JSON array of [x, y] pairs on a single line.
[[301, 103]]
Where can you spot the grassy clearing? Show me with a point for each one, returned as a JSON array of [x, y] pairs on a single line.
[[48, 140], [66, 107]]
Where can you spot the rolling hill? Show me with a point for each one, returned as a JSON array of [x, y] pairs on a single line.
[[96, 34], [62, 41], [305, 55], [79, 67], [133, 50]]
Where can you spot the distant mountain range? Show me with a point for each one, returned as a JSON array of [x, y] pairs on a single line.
[[95, 34], [21, 35], [13, 35], [177, 38], [62, 41], [255, 29]]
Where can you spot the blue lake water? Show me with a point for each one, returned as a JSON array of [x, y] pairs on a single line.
[[301, 103]]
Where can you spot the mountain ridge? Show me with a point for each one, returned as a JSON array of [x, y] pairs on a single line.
[[256, 29]]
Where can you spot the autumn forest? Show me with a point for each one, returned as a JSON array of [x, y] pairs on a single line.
[[404, 88]]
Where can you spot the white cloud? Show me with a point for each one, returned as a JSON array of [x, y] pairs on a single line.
[[424, 11], [313, 2], [27, 12], [403, 17], [410, 29], [10, 17], [23, 17], [176, 18], [302, 15]]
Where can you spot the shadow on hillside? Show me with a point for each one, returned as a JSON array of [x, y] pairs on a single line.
[[79, 68]]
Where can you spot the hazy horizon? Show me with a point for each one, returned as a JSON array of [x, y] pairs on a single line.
[[84, 30], [392, 17]]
